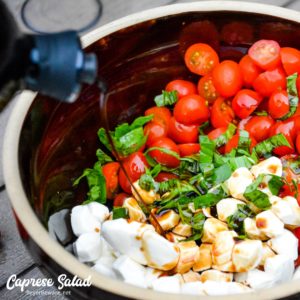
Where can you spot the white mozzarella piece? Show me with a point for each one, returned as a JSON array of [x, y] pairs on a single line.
[[188, 251], [285, 244], [106, 261], [99, 211], [203, 259], [151, 275], [191, 276], [287, 210], [192, 288], [211, 228], [106, 249], [238, 182], [252, 231], [213, 288], [174, 238], [148, 197], [168, 284], [134, 210], [167, 219], [215, 275], [183, 230], [266, 253], [272, 166], [105, 270], [269, 224], [88, 247], [297, 274], [227, 207]]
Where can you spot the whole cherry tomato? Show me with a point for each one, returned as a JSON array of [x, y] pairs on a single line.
[[191, 110], [201, 59], [160, 115], [279, 105], [245, 103], [221, 113], [290, 58], [165, 176], [249, 70], [234, 142], [154, 131], [259, 127], [183, 87], [266, 54], [188, 149], [110, 172], [206, 89], [119, 199]]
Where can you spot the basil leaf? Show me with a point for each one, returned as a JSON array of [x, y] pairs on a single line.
[[197, 221], [244, 141], [164, 150], [211, 198], [203, 127], [104, 138], [103, 158], [185, 215], [222, 173], [156, 170], [147, 183], [294, 164], [194, 237], [166, 98], [240, 162], [275, 184], [225, 137], [207, 149], [261, 113], [120, 213]]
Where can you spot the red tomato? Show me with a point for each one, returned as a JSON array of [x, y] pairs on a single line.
[[201, 59], [214, 134], [297, 234], [110, 172], [249, 70], [164, 176], [206, 89], [242, 124], [191, 110], [227, 78], [161, 114], [298, 143], [279, 104], [270, 81], [298, 84], [135, 165], [290, 58], [182, 87], [245, 103], [182, 133], [237, 32], [154, 131], [221, 113], [259, 127], [266, 54], [188, 149], [234, 141], [164, 158], [119, 199]]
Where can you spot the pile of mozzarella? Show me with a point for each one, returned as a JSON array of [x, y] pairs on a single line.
[[132, 250]]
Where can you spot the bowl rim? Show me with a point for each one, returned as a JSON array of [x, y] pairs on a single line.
[[17, 194]]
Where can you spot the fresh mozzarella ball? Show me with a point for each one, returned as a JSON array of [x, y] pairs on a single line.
[[215, 275], [192, 288], [267, 252], [297, 274], [151, 275], [168, 284], [227, 207], [106, 261], [167, 219], [203, 259], [213, 288], [106, 248], [104, 270], [247, 255], [174, 238], [130, 271], [191, 276], [159, 252], [207, 212], [183, 229], [188, 251], [238, 182], [82, 221], [281, 267], [134, 210], [148, 197], [99, 211], [252, 231], [269, 224], [88, 247], [211, 228], [272, 166], [286, 244]]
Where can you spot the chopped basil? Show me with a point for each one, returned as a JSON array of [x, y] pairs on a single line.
[[164, 150], [240, 162], [207, 149], [294, 164], [261, 113], [120, 212], [203, 127], [244, 141], [211, 198], [166, 98], [222, 173], [147, 183], [225, 137], [156, 170], [103, 158], [275, 184]]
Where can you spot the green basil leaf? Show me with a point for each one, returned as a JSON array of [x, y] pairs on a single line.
[[207, 149], [203, 127], [120, 213], [275, 184], [147, 183], [211, 198], [156, 170], [244, 141], [194, 237], [222, 173], [103, 158], [261, 113], [225, 137], [104, 138], [240, 162], [166, 98], [164, 150], [294, 164]]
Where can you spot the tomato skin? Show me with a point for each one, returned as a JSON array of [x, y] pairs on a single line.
[[278, 105], [135, 165], [119, 199], [249, 70], [234, 141], [259, 127], [191, 110], [206, 89], [183, 87], [221, 113], [154, 131], [270, 81], [227, 78], [188, 149], [110, 172], [164, 158], [290, 58], [298, 143], [201, 59], [245, 103], [165, 176], [160, 114], [297, 234], [265, 54], [216, 132]]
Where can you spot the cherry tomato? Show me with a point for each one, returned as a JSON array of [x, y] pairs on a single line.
[[161, 115], [188, 149], [298, 84], [201, 59], [234, 142], [162, 157], [206, 89], [135, 165], [245, 103], [191, 110], [249, 70], [242, 124], [279, 104], [237, 33], [290, 58], [154, 131], [298, 143], [221, 113], [181, 133], [183, 87], [266, 54], [165, 176], [259, 127], [214, 134], [270, 81], [119, 199], [297, 234], [110, 172], [227, 78]]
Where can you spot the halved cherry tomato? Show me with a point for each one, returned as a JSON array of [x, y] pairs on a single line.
[[154, 131], [249, 70], [279, 104], [297, 234], [162, 157], [237, 32], [165, 176], [245, 103], [214, 134], [259, 127], [181, 133], [290, 58], [191, 110], [221, 113], [201, 59], [183, 87], [119, 199], [266, 54], [270, 81], [298, 143], [206, 89], [188, 149], [234, 142], [161, 114], [110, 172], [227, 78], [135, 165]]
